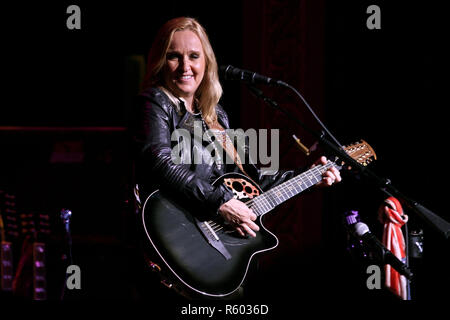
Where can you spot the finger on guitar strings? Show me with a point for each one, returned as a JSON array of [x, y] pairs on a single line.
[[248, 231]]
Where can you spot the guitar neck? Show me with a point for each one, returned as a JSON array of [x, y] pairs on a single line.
[[283, 192]]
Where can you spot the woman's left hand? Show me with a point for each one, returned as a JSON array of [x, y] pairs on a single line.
[[330, 176]]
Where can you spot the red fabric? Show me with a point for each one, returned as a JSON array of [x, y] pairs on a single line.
[[392, 216]]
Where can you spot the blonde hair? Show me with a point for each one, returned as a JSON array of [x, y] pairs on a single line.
[[210, 90]]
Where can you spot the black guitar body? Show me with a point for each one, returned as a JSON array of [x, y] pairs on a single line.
[[208, 257], [181, 241]]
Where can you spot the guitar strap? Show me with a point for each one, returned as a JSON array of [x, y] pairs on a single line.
[[220, 135], [225, 141]]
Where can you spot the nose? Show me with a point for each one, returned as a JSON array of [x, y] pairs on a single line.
[[185, 64]]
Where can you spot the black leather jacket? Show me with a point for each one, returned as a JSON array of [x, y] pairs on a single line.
[[157, 118]]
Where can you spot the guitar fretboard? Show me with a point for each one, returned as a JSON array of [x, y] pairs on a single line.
[[279, 194]]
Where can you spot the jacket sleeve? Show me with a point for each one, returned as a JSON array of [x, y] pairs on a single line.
[[154, 131]]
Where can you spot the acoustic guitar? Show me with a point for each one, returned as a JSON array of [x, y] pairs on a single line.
[[208, 257]]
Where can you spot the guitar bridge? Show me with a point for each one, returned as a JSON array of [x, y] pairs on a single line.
[[212, 238]]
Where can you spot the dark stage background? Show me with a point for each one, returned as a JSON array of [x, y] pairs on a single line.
[[68, 98]]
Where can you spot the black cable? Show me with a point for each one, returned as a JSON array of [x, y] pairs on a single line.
[[313, 113]]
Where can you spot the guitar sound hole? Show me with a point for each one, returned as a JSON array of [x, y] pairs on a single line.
[[248, 190], [237, 186]]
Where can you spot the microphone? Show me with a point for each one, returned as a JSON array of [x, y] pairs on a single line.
[[361, 230], [229, 72], [65, 217], [354, 243]]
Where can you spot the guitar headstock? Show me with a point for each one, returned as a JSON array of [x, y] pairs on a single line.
[[361, 152]]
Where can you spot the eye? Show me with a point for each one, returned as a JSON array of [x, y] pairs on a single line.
[[194, 55], [172, 56]]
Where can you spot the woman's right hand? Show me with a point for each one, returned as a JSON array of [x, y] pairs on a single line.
[[239, 216]]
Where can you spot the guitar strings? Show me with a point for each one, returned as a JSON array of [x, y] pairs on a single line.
[[289, 184], [255, 202]]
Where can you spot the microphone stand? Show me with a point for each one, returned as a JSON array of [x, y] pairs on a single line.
[[440, 225], [65, 216]]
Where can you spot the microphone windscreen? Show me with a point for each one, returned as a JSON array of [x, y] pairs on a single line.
[[361, 229]]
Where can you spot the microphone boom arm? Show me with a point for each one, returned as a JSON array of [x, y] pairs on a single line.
[[439, 224]]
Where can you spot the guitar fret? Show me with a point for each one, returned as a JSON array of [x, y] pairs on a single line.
[[274, 196], [283, 195], [303, 181], [270, 198], [266, 204], [255, 208], [279, 194], [263, 207], [258, 208], [289, 187]]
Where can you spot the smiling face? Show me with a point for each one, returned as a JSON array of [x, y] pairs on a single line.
[[185, 65]]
